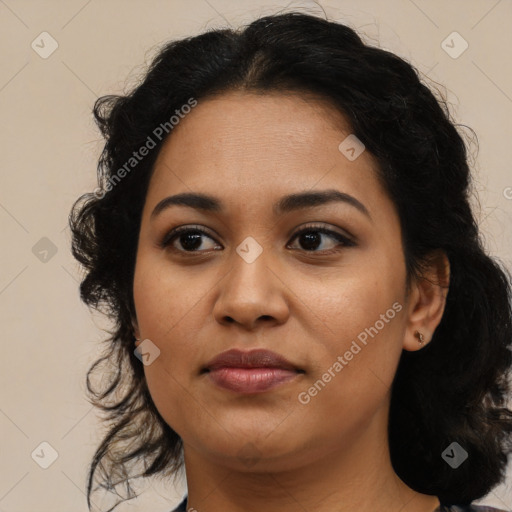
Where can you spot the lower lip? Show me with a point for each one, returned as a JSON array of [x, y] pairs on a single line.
[[250, 380]]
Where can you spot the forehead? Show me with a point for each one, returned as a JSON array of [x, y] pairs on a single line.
[[259, 146], [239, 123]]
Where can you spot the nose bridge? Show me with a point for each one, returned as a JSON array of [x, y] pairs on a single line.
[[248, 277], [250, 289]]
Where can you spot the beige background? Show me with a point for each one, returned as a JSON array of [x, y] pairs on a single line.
[[49, 148]]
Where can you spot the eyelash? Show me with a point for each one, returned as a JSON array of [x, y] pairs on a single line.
[[344, 241]]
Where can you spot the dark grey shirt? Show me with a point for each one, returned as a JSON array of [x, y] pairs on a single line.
[[441, 508]]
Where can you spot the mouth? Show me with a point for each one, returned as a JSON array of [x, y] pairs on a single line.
[[255, 371]]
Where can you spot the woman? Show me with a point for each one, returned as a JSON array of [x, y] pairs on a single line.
[[305, 318]]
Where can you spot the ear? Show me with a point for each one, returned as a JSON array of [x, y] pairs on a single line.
[[427, 300]]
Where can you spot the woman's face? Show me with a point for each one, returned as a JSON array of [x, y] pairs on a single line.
[[332, 303]]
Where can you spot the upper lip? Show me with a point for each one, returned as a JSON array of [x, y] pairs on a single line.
[[257, 358]]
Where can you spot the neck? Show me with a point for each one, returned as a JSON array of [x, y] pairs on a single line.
[[358, 476]]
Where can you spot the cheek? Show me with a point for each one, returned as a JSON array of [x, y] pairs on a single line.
[[171, 312], [163, 317], [164, 297], [359, 333], [349, 302], [354, 369]]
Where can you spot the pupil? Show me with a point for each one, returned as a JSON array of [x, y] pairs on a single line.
[[310, 238], [194, 245]]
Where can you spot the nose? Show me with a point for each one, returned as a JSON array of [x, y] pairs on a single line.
[[251, 294]]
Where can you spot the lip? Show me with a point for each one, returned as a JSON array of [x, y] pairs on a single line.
[[253, 371]]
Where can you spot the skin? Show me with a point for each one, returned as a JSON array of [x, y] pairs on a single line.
[[332, 453]]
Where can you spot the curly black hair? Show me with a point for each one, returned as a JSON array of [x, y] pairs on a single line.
[[454, 389]]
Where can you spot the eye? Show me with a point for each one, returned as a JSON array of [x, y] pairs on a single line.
[[189, 238], [311, 236]]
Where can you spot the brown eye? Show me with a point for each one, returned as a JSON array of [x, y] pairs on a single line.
[[311, 237], [190, 239], [187, 239]]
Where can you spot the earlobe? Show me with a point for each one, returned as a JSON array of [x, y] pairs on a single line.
[[427, 301]]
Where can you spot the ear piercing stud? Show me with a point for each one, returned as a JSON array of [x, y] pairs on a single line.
[[420, 337]]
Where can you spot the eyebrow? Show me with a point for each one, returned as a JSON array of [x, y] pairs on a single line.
[[286, 204]]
